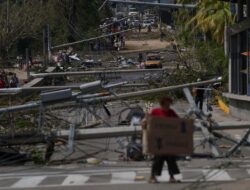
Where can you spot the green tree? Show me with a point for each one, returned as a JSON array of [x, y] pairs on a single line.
[[212, 16], [22, 20], [69, 20], [208, 19]]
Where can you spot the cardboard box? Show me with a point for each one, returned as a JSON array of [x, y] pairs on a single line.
[[168, 136]]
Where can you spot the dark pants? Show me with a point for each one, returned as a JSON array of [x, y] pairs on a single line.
[[158, 163], [199, 102]]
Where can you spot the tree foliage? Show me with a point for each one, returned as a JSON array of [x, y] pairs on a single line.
[[212, 16], [207, 21], [22, 20], [19, 22]]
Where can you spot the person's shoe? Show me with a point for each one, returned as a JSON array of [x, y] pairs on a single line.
[[173, 180], [152, 180]]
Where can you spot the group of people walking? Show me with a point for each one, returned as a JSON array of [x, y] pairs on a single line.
[[8, 80]]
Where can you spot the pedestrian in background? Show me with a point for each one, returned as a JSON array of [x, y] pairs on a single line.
[[158, 160], [149, 28], [162, 35], [5, 79], [199, 95], [14, 82], [139, 27], [173, 44]]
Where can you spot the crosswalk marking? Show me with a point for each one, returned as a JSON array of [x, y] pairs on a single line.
[[248, 171], [123, 177], [216, 175], [31, 181], [75, 180], [164, 176]]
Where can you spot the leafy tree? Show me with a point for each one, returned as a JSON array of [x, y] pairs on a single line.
[[23, 21], [212, 16], [69, 20], [210, 53]]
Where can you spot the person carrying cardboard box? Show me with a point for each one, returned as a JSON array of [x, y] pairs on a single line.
[[158, 161]]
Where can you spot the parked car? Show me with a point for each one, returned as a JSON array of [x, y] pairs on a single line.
[[153, 60], [135, 23], [146, 23]]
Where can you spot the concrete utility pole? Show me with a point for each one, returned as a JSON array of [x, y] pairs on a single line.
[[45, 61], [143, 93], [159, 11], [167, 5], [49, 44], [27, 62], [87, 40], [7, 18], [104, 3], [7, 21], [122, 96]]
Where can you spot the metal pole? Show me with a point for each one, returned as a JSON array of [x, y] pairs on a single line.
[[87, 40], [49, 44], [169, 5], [13, 91], [71, 138], [104, 3], [27, 62], [44, 47], [7, 18], [118, 96], [237, 146], [7, 23], [149, 92], [101, 72], [159, 11], [20, 107]]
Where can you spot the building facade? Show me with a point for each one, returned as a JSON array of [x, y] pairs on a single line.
[[238, 37]]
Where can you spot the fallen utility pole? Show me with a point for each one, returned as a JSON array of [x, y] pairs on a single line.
[[103, 4], [149, 92], [80, 134], [166, 5], [23, 107], [13, 91], [90, 39], [111, 98], [101, 72]]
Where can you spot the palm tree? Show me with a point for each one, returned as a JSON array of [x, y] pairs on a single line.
[[212, 17]]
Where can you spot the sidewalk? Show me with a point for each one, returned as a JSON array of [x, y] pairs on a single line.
[[218, 115]]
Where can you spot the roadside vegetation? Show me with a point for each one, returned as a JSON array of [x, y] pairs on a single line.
[[23, 23], [201, 32], [199, 35]]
